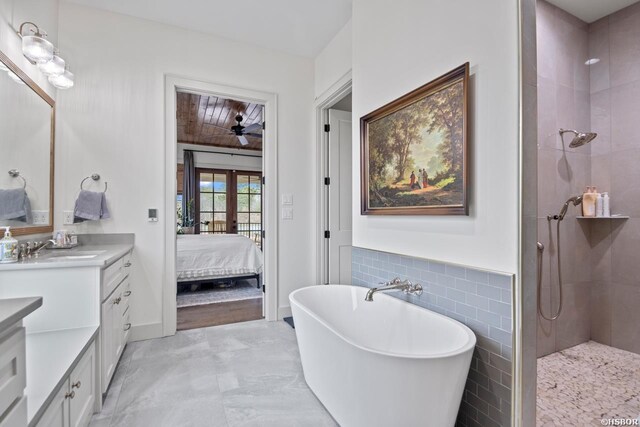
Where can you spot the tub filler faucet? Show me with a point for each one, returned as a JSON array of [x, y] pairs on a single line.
[[395, 285]]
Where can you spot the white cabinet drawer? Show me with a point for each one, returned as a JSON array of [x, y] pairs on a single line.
[[12, 369], [127, 263], [126, 327], [17, 416], [111, 277], [125, 294]]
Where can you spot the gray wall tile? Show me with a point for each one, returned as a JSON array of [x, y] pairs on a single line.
[[479, 299]]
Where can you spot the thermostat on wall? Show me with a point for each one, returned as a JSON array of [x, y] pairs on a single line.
[[153, 215]]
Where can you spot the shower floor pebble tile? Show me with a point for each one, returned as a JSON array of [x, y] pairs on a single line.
[[244, 374], [584, 384]]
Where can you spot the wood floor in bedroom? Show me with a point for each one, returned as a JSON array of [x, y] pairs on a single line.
[[222, 313]]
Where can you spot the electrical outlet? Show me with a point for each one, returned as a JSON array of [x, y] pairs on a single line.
[[68, 218], [287, 213], [40, 217]]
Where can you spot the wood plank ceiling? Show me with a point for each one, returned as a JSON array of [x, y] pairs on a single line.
[[207, 120]]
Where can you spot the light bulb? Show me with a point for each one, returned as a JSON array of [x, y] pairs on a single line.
[[62, 81], [55, 67], [37, 48]]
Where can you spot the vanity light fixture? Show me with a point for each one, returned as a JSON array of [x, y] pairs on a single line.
[[35, 47], [62, 81], [55, 67], [41, 52]]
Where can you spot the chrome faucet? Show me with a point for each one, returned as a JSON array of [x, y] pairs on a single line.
[[36, 249], [395, 285]]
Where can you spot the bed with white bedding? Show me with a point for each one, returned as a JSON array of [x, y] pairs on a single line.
[[217, 256]]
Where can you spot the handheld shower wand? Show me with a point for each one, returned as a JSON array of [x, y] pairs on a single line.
[[576, 200]]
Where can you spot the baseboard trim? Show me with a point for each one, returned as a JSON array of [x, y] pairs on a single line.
[[284, 312], [146, 331]]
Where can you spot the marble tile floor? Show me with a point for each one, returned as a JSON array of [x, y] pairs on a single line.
[[584, 384], [244, 374]]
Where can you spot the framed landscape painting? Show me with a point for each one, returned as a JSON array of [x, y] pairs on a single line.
[[414, 151]]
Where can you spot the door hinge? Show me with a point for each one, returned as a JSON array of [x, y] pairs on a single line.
[[263, 288], [263, 234], [263, 180], [327, 234], [264, 125], [327, 180], [327, 128]]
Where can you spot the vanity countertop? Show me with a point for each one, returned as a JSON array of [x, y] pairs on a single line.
[[91, 255], [15, 309]]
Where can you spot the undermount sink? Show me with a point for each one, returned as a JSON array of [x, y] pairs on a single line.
[[71, 256], [76, 256]]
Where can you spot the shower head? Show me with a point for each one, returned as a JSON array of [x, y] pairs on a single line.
[[580, 138], [575, 200]]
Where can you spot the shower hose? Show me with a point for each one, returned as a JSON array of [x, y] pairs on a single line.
[[540, 259]]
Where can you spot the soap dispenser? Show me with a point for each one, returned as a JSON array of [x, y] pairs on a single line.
[[8, 248], [589, 202]]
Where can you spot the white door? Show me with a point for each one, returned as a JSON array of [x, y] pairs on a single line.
[[83, 384], [339, 197]]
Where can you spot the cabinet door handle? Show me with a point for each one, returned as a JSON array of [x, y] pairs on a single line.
[[70, 395], [127, 326], [127, 293], [128, 264], [77, 384]]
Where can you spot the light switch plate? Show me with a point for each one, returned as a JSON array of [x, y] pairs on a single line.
[[40, 217], [67, 218], [287, 213], [287, 199]]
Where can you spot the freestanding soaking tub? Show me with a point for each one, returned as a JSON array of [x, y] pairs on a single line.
[[380, 363]]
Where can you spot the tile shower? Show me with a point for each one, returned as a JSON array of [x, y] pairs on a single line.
[[600, 258]]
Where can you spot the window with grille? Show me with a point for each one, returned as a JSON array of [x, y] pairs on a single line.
[[213, 207], [229, 202]]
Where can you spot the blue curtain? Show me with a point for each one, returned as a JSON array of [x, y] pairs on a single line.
[[188, 190]]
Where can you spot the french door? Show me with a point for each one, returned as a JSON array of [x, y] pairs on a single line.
[[229, 202]]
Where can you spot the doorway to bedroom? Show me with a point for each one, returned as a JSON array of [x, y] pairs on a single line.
[[219, 210]]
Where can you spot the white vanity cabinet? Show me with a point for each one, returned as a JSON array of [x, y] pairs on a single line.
[[13, 366], [74, 402], [74, 340], [13, 379], [114, 323]]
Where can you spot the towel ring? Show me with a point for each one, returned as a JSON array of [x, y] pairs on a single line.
[[16, 174], [94, 177]]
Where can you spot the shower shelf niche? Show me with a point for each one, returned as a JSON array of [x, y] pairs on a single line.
[[603, 217]]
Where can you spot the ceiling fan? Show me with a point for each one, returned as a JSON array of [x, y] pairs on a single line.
[[240, 131]]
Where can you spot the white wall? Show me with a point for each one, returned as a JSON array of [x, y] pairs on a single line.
[[334, 61], [44, 13], [400, 45], [112, 122], [222, 161]]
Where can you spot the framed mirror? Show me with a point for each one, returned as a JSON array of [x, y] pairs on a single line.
[[27, 129]]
